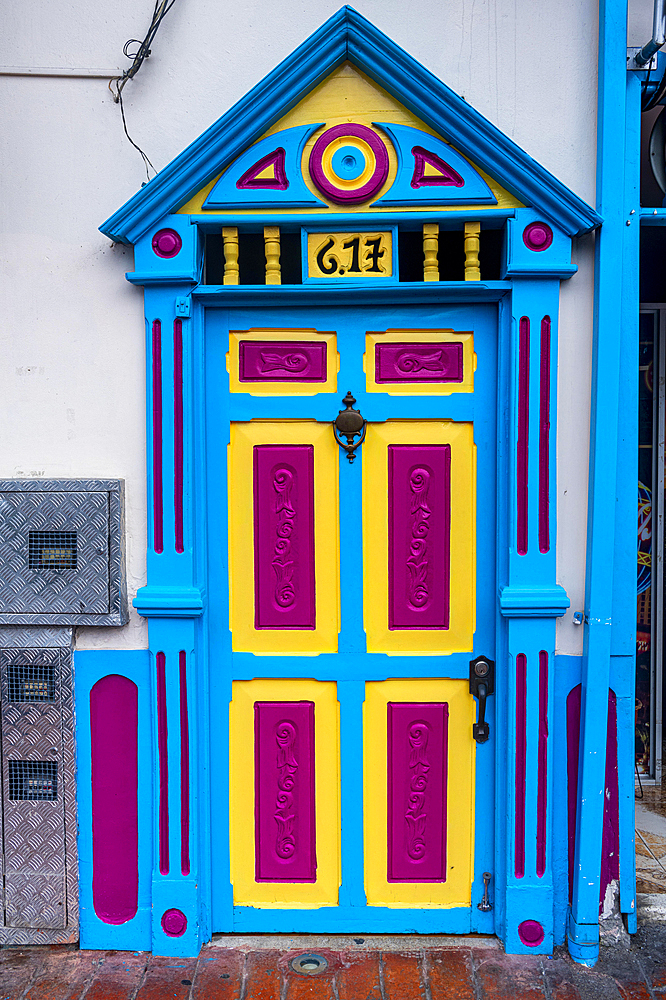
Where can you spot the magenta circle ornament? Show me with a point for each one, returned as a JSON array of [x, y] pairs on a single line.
[[357, 181], [174, 923], [167, 243], [537, 236], [531, 933]]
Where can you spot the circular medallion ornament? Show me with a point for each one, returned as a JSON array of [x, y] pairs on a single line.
[[349, 163], [167, 243], [531, 933], [174, 923], [537, 236]]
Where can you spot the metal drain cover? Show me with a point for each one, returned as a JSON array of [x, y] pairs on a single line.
[[309, 965]]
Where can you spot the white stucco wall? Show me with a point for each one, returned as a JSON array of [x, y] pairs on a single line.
[[72, 382]]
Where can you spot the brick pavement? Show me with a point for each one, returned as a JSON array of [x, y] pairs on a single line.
[[358, 969]]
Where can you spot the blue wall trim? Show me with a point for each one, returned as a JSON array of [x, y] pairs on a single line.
[[349, 36]]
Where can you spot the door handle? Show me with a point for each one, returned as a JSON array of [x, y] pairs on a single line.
[[349, 424], [481, 685]]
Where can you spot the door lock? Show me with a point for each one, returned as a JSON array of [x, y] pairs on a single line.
[[349, 424], [481, 685]]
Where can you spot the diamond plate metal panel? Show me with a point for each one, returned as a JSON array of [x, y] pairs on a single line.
[[44, 591], [94, 593], [25, 636], [39, 859]]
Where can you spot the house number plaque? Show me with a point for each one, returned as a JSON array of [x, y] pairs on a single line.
[[350, 255]]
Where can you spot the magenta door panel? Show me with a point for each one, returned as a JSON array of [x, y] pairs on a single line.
[[115, 828], [284, 566], [284, 792], [288, 361], [419, 362], [417, 772], [419, 505]]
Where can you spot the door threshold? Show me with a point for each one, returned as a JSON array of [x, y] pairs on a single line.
[[348, 942]]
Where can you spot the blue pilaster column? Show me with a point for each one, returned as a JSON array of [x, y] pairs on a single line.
[[167, 262], [538, 255]]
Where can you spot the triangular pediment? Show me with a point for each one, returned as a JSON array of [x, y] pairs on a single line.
[[350, 122]]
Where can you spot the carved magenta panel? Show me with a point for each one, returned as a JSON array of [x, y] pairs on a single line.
[[286, 361], [419, 506], [284, 791], [419, 362], [284, 567], [417, 773]]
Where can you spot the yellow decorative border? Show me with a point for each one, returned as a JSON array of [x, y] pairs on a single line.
[[462, 620], [284, 895], [419, 337], [456, 891], [245, 637], [317, 239], [283, 388]]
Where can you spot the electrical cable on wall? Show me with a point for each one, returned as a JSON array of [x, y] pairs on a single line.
[[116, 85]]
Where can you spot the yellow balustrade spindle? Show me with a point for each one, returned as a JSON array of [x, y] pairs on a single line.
[[430, 249], [472, 267], [272, 246], [230, 237]]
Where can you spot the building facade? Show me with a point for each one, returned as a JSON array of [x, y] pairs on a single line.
[[318, 598]]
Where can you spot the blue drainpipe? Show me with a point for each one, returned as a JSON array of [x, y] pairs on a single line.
[[606, 489]]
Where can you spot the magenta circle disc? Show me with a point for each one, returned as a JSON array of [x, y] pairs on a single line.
[[531, 933], [174, 923], [167, 243], [328, 186], [537, 236]]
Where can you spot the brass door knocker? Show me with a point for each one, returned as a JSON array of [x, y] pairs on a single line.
[[349, 424]]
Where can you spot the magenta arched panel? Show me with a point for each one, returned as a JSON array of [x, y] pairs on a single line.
[[114, 775]]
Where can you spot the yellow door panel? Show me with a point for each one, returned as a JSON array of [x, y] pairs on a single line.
[[401, 788], [419, 537]]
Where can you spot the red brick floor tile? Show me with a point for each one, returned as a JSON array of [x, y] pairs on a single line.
[[450, 974], [558, 974], [117, 974], [64, 975], [634, 991], [219, 975], [167, 977], [17, 968], [262, 975], [357, 976], [402, 976], [507, 976], [317, 987]]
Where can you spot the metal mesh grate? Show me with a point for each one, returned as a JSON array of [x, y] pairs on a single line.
[[52, 550], [26, 682], [33, 779]]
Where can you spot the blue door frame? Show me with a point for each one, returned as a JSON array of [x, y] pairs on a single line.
[[177, 604]]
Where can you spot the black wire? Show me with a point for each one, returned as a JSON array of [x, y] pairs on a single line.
[[161, 9], [146, 161]]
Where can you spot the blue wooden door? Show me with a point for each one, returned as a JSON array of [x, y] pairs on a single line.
[[346, 601]]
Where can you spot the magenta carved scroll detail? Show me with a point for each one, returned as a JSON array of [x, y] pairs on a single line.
[[417, 774], [284, 574], [284, 790], [284, 361], [419, 362], [419, 535]]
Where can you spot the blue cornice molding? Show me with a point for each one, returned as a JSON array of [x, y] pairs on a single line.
[[534, 602], [349, 36], [169, 602]]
